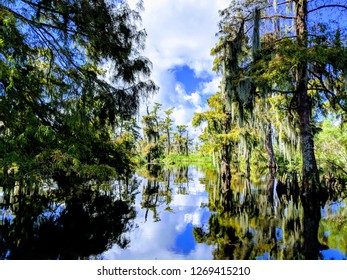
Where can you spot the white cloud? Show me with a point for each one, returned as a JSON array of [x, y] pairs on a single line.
[[194, 98], [181, 115], [193, 218], [181, 32], [211, 87]]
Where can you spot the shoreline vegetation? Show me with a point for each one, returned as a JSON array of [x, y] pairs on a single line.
[[169, 160], [194, 158]]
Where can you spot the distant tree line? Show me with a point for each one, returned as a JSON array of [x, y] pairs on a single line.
[[161, 138]]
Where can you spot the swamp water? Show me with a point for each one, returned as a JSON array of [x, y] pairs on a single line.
[[178, 213]]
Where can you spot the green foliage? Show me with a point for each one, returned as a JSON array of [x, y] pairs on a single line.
[[71, 79], [331, 145], [153, 148], [62, 115], [277, 81], [196, 159], [161, 138]]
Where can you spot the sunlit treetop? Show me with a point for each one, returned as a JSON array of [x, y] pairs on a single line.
[[94, 45]]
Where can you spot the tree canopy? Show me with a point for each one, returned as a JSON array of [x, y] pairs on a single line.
[[71, 73], [283, 68]]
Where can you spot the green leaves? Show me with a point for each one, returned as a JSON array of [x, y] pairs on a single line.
[[62, 119], [284, 80]]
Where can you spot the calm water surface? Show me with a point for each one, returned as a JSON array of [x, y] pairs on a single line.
[[165, 226], [249, 223], [178, 213]]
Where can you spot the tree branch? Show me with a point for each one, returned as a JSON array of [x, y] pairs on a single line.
[[327, 6], [39, 24], [278, 16], [30, 3], [336, 165], [330, 95]]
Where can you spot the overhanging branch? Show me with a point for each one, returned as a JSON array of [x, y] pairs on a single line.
[[328, 6]]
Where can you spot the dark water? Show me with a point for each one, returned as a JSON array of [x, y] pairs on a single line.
[[178, 213]]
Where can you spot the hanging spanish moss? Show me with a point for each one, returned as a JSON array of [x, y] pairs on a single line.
[[289, 138], [275, 5], [277, 26], [245, 91], [232, 50], [288, 7]]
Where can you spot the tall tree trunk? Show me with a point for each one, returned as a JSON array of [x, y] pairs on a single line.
[[248, 163], [226, 157], [312, 216], [226, 192], [226, 172], [187, 145], [168, 141], [272, 164], [310, 178]]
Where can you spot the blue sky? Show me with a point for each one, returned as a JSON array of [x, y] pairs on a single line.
[[186, 76], [180, 35]]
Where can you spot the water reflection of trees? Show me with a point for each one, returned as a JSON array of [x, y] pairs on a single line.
[[336, 225], [156, 190], [256, 222], [181, 179], [69, 223], [158, 187]]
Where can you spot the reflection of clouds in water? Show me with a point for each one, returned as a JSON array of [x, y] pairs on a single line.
[[157, 240], [182, 201], [154, 240], [195, 186], [194, 219]]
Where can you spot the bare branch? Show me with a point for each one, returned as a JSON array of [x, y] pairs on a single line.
[[278, 16], [328, 6]]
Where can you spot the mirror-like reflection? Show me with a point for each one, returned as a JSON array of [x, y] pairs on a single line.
[[168, 208], [177, 212], [270, 221], [56, 223]]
